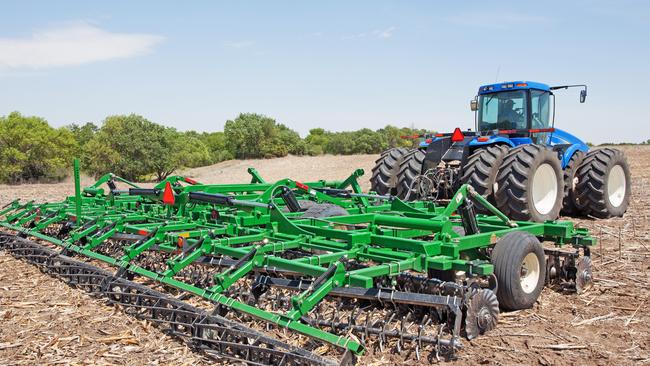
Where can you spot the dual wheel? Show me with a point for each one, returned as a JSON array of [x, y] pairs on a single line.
[[526, 182]]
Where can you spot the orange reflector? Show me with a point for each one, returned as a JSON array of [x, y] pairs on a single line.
[[190, 181], [181, 241], [143, 232], [168, 194], [482, 139], [73, 218], [440, 135], [304, 187], [457, 135], [522, 84], [507, 132]]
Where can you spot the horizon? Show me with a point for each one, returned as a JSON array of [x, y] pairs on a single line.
[[336, 66]]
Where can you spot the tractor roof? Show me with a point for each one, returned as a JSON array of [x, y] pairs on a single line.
[[512, 85]]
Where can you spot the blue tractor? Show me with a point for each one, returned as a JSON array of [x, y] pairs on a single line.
[[515, 157]]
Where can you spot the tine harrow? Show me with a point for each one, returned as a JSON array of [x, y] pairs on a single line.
[[283, 273]]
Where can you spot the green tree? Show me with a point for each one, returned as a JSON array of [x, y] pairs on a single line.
[[316, 141], [181, 150], [135, 148], [253, 135], [83, 133], [31, 150], [216, 143]]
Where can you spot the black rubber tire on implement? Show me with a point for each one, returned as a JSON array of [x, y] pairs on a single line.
[[480, 171], [409, 169], [322, 210], [384, 174], [304, 205], [569, 202], [507, 257], [592, 196], [514, 195]]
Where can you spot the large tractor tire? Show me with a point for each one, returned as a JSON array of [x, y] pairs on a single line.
[[530, 184], [570, 182], [520, 268], [410, 168], [384, 174], [604, 183], [481, 170]]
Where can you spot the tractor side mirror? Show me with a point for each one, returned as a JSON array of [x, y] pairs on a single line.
[[583, 96], [473, 105]]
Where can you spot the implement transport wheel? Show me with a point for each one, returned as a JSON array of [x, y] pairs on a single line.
[[384, 174], [520, 268], [304, 205], [323, 210], [570, 182], [409, 169], [530, 184], [604, 184], [481, 169]]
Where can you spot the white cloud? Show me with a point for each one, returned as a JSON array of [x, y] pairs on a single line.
[[238, 45], [386, 33], [377, 33], [70, 45], [495, 20]]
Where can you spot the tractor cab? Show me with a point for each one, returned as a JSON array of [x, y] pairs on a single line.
[[518, 109]]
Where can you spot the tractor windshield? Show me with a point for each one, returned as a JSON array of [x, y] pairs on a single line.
[[503, 110]]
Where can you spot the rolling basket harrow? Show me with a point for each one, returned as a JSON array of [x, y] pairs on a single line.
[[297, 273]]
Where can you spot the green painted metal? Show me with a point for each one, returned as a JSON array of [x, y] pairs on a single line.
[[250, 225]]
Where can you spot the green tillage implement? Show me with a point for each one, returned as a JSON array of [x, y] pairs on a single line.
[[320, 258]]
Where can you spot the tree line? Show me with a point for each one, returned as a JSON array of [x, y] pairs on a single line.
[[138, 149]]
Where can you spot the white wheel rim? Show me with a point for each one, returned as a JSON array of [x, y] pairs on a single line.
[[544, 188], [529, 273], [616, 183]]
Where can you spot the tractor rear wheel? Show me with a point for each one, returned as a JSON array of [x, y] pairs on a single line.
[[409, 169], [384, 174], [570, 181], [604, 183], [520, 268], [481, 170], [530, 184]]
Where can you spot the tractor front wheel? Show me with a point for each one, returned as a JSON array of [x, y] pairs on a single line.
[[520, 268], [530, 184]]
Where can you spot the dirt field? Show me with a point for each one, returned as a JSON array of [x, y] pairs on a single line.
[[607, 325]]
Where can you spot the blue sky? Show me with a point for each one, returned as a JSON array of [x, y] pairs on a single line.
[[339, 65]]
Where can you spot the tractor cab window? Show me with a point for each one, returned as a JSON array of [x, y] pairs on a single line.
[[540, 108], [502, 111]]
